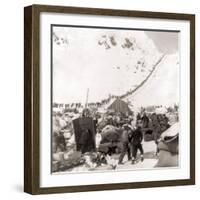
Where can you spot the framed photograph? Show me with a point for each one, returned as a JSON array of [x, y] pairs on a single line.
[[109, 99]]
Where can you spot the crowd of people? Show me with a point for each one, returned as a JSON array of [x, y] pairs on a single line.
[[118, 133]]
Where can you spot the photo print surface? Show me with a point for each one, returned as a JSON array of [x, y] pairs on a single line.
[[115, 99]]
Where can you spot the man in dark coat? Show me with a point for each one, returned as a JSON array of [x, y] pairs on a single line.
[[145, 121], [60, 140], [136, 141], [126, 134]]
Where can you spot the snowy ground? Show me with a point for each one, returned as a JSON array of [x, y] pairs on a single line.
[[149, 162]]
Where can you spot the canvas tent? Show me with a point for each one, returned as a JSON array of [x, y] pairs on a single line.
[[120, 106]]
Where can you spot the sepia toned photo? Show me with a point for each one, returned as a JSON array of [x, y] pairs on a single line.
[[114, 99], [109, 99]]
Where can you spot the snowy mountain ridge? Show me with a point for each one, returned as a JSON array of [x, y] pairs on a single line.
[[108, 62]]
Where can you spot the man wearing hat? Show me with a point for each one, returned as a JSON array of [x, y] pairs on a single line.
[[126, 134], [136, 141]]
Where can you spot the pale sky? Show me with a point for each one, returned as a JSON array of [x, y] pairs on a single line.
[[165, 41]]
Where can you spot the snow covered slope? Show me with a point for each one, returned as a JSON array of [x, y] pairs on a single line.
[[163, 86], [107, 61]]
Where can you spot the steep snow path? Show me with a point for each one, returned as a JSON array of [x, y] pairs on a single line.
[[162, 87], [142, 84]]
